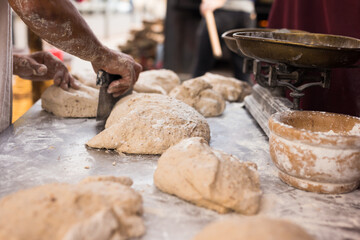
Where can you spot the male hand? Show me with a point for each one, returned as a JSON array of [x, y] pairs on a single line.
[[41, 66], [211, 5], [117, 63]]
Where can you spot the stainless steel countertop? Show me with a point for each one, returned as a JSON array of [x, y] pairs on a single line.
[[41, 148]]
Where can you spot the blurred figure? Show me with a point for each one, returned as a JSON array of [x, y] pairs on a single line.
[[181, 22], [229, 14], [329, 17]]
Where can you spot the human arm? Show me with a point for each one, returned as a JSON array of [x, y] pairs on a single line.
[[42, 66], [59, 23], [211, 5]]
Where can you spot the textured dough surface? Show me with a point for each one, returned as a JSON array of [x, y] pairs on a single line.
[[72, 103], [86, 77], [199, 94], [253, 228], [147, 123], [98, 208], [209, 178], [231, 89], [157, 81]]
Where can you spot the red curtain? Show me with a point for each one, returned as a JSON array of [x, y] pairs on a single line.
[[330, 17]]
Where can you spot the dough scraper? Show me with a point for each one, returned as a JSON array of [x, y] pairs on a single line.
[[106, 100]]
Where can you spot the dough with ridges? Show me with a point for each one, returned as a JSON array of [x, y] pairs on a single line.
[[71, 103], [209, 178], [86, 77], [199, 94], [157, 81], [232, 89], [147, 123], [94, 209]]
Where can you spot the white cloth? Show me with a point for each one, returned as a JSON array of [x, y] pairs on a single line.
[[239, 5], [5, 65]]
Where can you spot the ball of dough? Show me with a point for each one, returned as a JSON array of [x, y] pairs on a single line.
[[86, 77], [71, 103], [231, 89], [253, 228], [199, 94], [99, 208], [157, 81], [146, 123], [209, 178]]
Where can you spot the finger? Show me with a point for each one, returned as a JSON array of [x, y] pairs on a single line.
[[117, 85], [60, 80], [119, 93], [41, 70], [72, 82], [57, 78], [115, 95], [120, 90], [32, 67], [133, 76], [64, 84], [138, 69]]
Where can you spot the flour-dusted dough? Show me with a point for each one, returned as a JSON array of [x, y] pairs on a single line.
[[157, 81], [72, 103], [209, 178], [99, 208], [253, 228], [86, 77], [148, 123], [231, 89], [200, 95]]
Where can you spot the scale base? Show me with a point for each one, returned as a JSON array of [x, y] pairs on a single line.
[[262, 104]]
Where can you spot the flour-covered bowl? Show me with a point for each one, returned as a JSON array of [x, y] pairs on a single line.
[[316, 151]]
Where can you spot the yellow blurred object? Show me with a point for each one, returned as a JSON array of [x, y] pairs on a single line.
[[25, 94]]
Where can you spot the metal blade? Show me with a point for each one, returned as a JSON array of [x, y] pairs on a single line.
[[106, 100], [105, 104]]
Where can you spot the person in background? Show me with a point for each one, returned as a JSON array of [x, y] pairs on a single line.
[[59, 23], [229, 14], [329, 17]]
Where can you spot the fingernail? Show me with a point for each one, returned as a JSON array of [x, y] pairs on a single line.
[[42, 70]]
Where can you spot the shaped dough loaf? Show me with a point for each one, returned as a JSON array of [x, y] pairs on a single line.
[[231, 89], [72, 103], [253, 228], [199, 94], [98, 208], [208, 178], [147, 123], [156, 81], [86, 76]]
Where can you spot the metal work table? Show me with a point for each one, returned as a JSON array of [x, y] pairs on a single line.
[[41, 148]]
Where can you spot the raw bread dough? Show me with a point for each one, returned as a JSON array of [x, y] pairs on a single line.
[[98, 208], [231, 89], [156, 81], [147, 123], [209, 178], [253, 228], [199, 94], [86, 77], [72, 103]]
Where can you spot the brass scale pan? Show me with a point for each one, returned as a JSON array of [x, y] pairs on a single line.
[[294, 47]]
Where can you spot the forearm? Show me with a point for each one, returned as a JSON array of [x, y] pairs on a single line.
[[59, 23]]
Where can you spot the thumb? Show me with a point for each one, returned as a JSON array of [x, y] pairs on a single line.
[[38, 69]]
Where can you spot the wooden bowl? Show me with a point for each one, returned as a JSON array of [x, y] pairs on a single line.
[[316, 151]]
